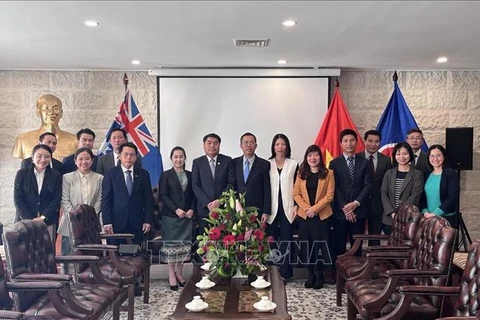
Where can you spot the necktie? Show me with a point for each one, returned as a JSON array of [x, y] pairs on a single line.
[[351, 167], [416, 158], [212, 167], [129, 182], [371, 164], [246, 170]]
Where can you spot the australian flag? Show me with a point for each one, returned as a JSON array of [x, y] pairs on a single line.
[[395, 123], [130, 120]]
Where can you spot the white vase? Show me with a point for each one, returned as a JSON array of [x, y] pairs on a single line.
[[239, 274]]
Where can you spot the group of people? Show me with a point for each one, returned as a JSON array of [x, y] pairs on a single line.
[[356, 191]]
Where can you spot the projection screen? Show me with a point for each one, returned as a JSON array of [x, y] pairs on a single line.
[[192, 107]]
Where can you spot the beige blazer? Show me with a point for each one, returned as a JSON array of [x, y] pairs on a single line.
[[72, 195], [323, 197]]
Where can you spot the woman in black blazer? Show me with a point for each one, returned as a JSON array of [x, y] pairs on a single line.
[[178, 202], [441, 187], [38, 189], [402, 184]]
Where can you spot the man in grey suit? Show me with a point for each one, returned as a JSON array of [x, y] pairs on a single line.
[[211, 175], [378, 165], [110, 160], [415, 140]]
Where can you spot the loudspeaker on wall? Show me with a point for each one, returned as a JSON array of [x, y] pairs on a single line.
[[459, 145]]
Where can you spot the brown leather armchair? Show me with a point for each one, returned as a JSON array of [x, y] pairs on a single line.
[[467, 304], [30, 258], [403, 231], [85, 238], [429, 263]]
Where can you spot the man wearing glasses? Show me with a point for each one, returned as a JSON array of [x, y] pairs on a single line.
[[415, 140], [127, 204]]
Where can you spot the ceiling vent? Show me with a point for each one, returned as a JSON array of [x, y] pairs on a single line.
[[251, 43]]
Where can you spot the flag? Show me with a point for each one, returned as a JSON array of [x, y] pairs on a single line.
[[395, 122], [130, 120], [336, 120]]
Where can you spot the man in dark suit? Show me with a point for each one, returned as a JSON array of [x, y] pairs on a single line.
[[415, 140], [211, 175], [353, 181], [378, 164], [50, 140], [252, 177], [85, 138], [127, 203], [108, 161]]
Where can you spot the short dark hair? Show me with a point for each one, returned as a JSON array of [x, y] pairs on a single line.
[[127, 144], [442, 150], [347, 132], [212, 135], [414, 130], [41, 146], [406, 146], [83, 149], [305, 170], [288, 152], [372, 133], [247, 134], [43, 135], [85, 131], [113, 130]]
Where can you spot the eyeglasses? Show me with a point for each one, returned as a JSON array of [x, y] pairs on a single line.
[[128, 155]]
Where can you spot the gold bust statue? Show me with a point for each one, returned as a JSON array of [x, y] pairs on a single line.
[[49, 110]]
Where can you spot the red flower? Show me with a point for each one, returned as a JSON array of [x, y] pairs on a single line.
[[222, 227], [259, 234], [270, 239], [214, 215], [229, 240], [215, 234], [253, 218], [264, 225], [205, 248], [260, 248], [240, 237], [228, 216]]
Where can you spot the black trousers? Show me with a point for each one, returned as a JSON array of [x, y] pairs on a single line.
[[343, 229], [314, 237], [282, 231]]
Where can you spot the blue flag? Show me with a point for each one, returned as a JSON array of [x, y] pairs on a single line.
[[130, 120], [395, 122]]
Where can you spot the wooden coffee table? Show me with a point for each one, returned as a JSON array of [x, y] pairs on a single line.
[[233, 298]]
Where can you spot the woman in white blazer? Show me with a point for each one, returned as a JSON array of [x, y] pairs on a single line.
[[82, 186], [283, 171]]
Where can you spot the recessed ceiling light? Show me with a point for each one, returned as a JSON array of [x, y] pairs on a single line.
[[282, 61], [91, 23], [442, 60], [135, 61], [289, 23]]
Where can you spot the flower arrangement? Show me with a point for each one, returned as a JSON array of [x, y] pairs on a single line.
[[236, 240]]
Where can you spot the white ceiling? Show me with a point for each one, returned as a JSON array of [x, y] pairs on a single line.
[[342, 34]]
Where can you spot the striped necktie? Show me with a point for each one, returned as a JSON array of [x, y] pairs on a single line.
[[351, 166]]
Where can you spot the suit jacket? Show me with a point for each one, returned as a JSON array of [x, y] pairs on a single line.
[[257, 187], [422, 163], [172, 195], [323, 197], [410, 193], [120, 209], [383, 164], [207, 188], [72, 196], [347, 190], [57, 165], [68, 164], [449, 186], [105, 163], [29, 203], [283, 183]]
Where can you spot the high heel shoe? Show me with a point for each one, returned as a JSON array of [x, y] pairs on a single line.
[[174, 288], [180, 283]]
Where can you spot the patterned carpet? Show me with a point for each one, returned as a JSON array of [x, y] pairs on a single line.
[[303, 304]]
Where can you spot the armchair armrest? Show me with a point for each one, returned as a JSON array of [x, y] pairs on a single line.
[[367, 268], [388, 255], [97, 246], [398, 247], [77, 259], [43, 277], [33, 286], [370, 236], [10, 315], [410, 273], [429, 290], [117, 235], [458, 318]]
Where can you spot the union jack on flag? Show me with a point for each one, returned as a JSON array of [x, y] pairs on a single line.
[[129, 119]]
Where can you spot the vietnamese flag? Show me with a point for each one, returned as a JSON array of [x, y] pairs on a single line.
[[336, 120]]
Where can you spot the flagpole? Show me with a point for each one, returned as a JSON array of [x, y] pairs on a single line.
[[395, 76], [125, 82]]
